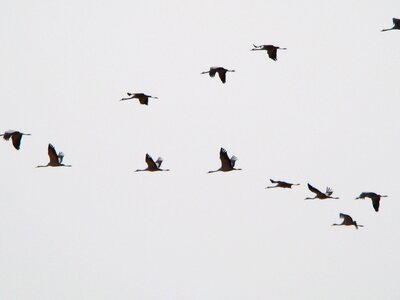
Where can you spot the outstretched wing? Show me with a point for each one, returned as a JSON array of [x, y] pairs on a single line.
[[273, 181], [233, 160], [212, 71], [329, 191], [16, 139], [150, 162], [8, 134], [52, 154], [347, 218], [225, 161], [222, 75], [60, 157], [313, 189], [159, 162], [272, 52], [375, 203], [143, 99]]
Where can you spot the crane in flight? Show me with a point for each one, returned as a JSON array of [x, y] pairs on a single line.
[[281, 184], [396, 25], [272, 50], [227, 164], [55, 159], [376, 198], [221, 72], [152, 165], [15, 136], [319, 194], [143, 98], [347, 221]]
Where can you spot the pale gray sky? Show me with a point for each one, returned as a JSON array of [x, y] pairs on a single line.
[[324, 113]]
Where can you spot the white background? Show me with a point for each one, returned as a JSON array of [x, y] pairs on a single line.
[[324, 113]]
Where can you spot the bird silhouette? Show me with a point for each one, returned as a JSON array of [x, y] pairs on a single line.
[[319, 194], [152, 165], [376, 198], [271, 50], [227, 164], [221, 72], [143, 98], [15, 136], [55, 159], [347, 221], [396, 25], [281, 184]]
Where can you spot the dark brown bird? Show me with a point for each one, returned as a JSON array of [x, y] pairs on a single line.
[[55, 159], [227, 164], [271, 50], [281, 184], [396, 25], [376, 198], [143, 98], [319, 194], [15, 136], [347, 221], [152, 165], [221, 72]]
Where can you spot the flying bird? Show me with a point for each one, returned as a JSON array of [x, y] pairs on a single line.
[[227, 164], [319, 194], [396, 25], [152, 165], [15, 136], [374, 197], [271, 50], [221, 72], [281, 184], [347, 221], [55, 159], [143, 98]]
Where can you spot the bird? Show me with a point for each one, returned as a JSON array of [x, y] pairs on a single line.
[[347, 221], [396, 25], [281, 184], [143, 98], [152, 165], [319, 194], [15, 136], [271, 50], [55, 159], [221, 72], [227, 164], [374, 197]]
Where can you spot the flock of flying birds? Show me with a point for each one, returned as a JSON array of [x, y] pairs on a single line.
[[227, 163]]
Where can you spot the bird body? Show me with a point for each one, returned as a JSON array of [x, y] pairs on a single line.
[[281, 184], [227, 164], [396, 25], [376, 198], [319, 194], [55, 159], [347, 221], [15, 136], [143, 98], [152, 165], [221, 72], [272, 50]]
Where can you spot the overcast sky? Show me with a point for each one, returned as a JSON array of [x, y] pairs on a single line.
[[326, 112]]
